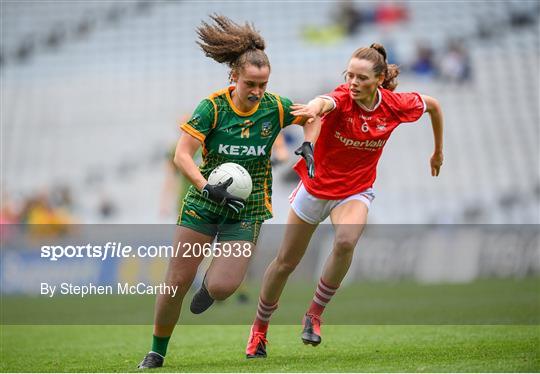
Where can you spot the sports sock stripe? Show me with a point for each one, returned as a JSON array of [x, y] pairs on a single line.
[[266, 307], [326, 288], [323, 295], [319, 301], [264, 311], [322, 298]]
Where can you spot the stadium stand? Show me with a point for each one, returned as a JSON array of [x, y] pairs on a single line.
[[91, 92]]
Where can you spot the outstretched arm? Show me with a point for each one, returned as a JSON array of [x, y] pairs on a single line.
[[434, 109], [312, 127], [316, 107]]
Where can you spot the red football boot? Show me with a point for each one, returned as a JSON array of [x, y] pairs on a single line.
[[256, 347], [312, 330]]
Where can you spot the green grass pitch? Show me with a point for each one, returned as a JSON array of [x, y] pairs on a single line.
[[486, 326], [217, 348]]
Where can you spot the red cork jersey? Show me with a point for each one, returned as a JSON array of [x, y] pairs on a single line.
[[352, 139]]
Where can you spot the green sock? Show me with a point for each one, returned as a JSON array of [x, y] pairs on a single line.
[[159, 344]]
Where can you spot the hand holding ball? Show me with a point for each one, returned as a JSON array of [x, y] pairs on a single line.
[[241, 180], [229, 184]]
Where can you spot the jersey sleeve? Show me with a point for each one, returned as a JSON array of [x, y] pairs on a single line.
[[288, 118], [338, 96], [202, 121], [410, 106]]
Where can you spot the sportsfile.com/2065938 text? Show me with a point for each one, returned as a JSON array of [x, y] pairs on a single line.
[[118, 250]]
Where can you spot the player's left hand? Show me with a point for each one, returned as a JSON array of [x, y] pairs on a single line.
[[306, 151], [436, 163]]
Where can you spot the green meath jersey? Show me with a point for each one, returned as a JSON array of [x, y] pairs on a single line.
[[246, 138]]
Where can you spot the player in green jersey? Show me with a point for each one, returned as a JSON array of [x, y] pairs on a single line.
[[236, 124]]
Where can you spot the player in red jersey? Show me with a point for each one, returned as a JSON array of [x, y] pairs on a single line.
[[358, 118]]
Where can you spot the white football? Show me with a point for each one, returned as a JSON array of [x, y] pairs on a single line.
[[241, 185]]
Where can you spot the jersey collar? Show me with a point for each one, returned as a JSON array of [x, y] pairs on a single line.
[[379, 94], [235, 109]]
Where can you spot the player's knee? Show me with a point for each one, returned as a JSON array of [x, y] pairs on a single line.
[[221, 291], [180, 280], [344, 246], [285, 266]]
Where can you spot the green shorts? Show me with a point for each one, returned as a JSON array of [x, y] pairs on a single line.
[[206, 222]]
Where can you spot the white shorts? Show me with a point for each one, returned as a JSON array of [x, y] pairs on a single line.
[[314, 210]]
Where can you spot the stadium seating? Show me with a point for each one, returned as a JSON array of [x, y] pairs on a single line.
[[103, 95]]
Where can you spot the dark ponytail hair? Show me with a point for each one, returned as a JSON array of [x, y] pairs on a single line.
[[377, 55], [235, 45]]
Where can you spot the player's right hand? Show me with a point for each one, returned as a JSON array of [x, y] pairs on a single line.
[[305, 110], [218, 193]]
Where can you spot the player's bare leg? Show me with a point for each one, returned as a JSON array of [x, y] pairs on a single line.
[[224, 275], [181, 272], [295, 242], [349, 221], [298, 233]]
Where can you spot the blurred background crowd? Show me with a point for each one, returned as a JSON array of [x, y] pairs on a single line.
[[92, 93]]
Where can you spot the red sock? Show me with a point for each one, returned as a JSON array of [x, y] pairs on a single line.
[[264, 312], [322, 296]]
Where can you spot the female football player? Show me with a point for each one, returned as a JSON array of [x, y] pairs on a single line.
[[359, 117], [236, 124]]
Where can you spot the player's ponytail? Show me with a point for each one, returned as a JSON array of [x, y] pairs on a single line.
[[235, 45], [379, 48], [377, 55]]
